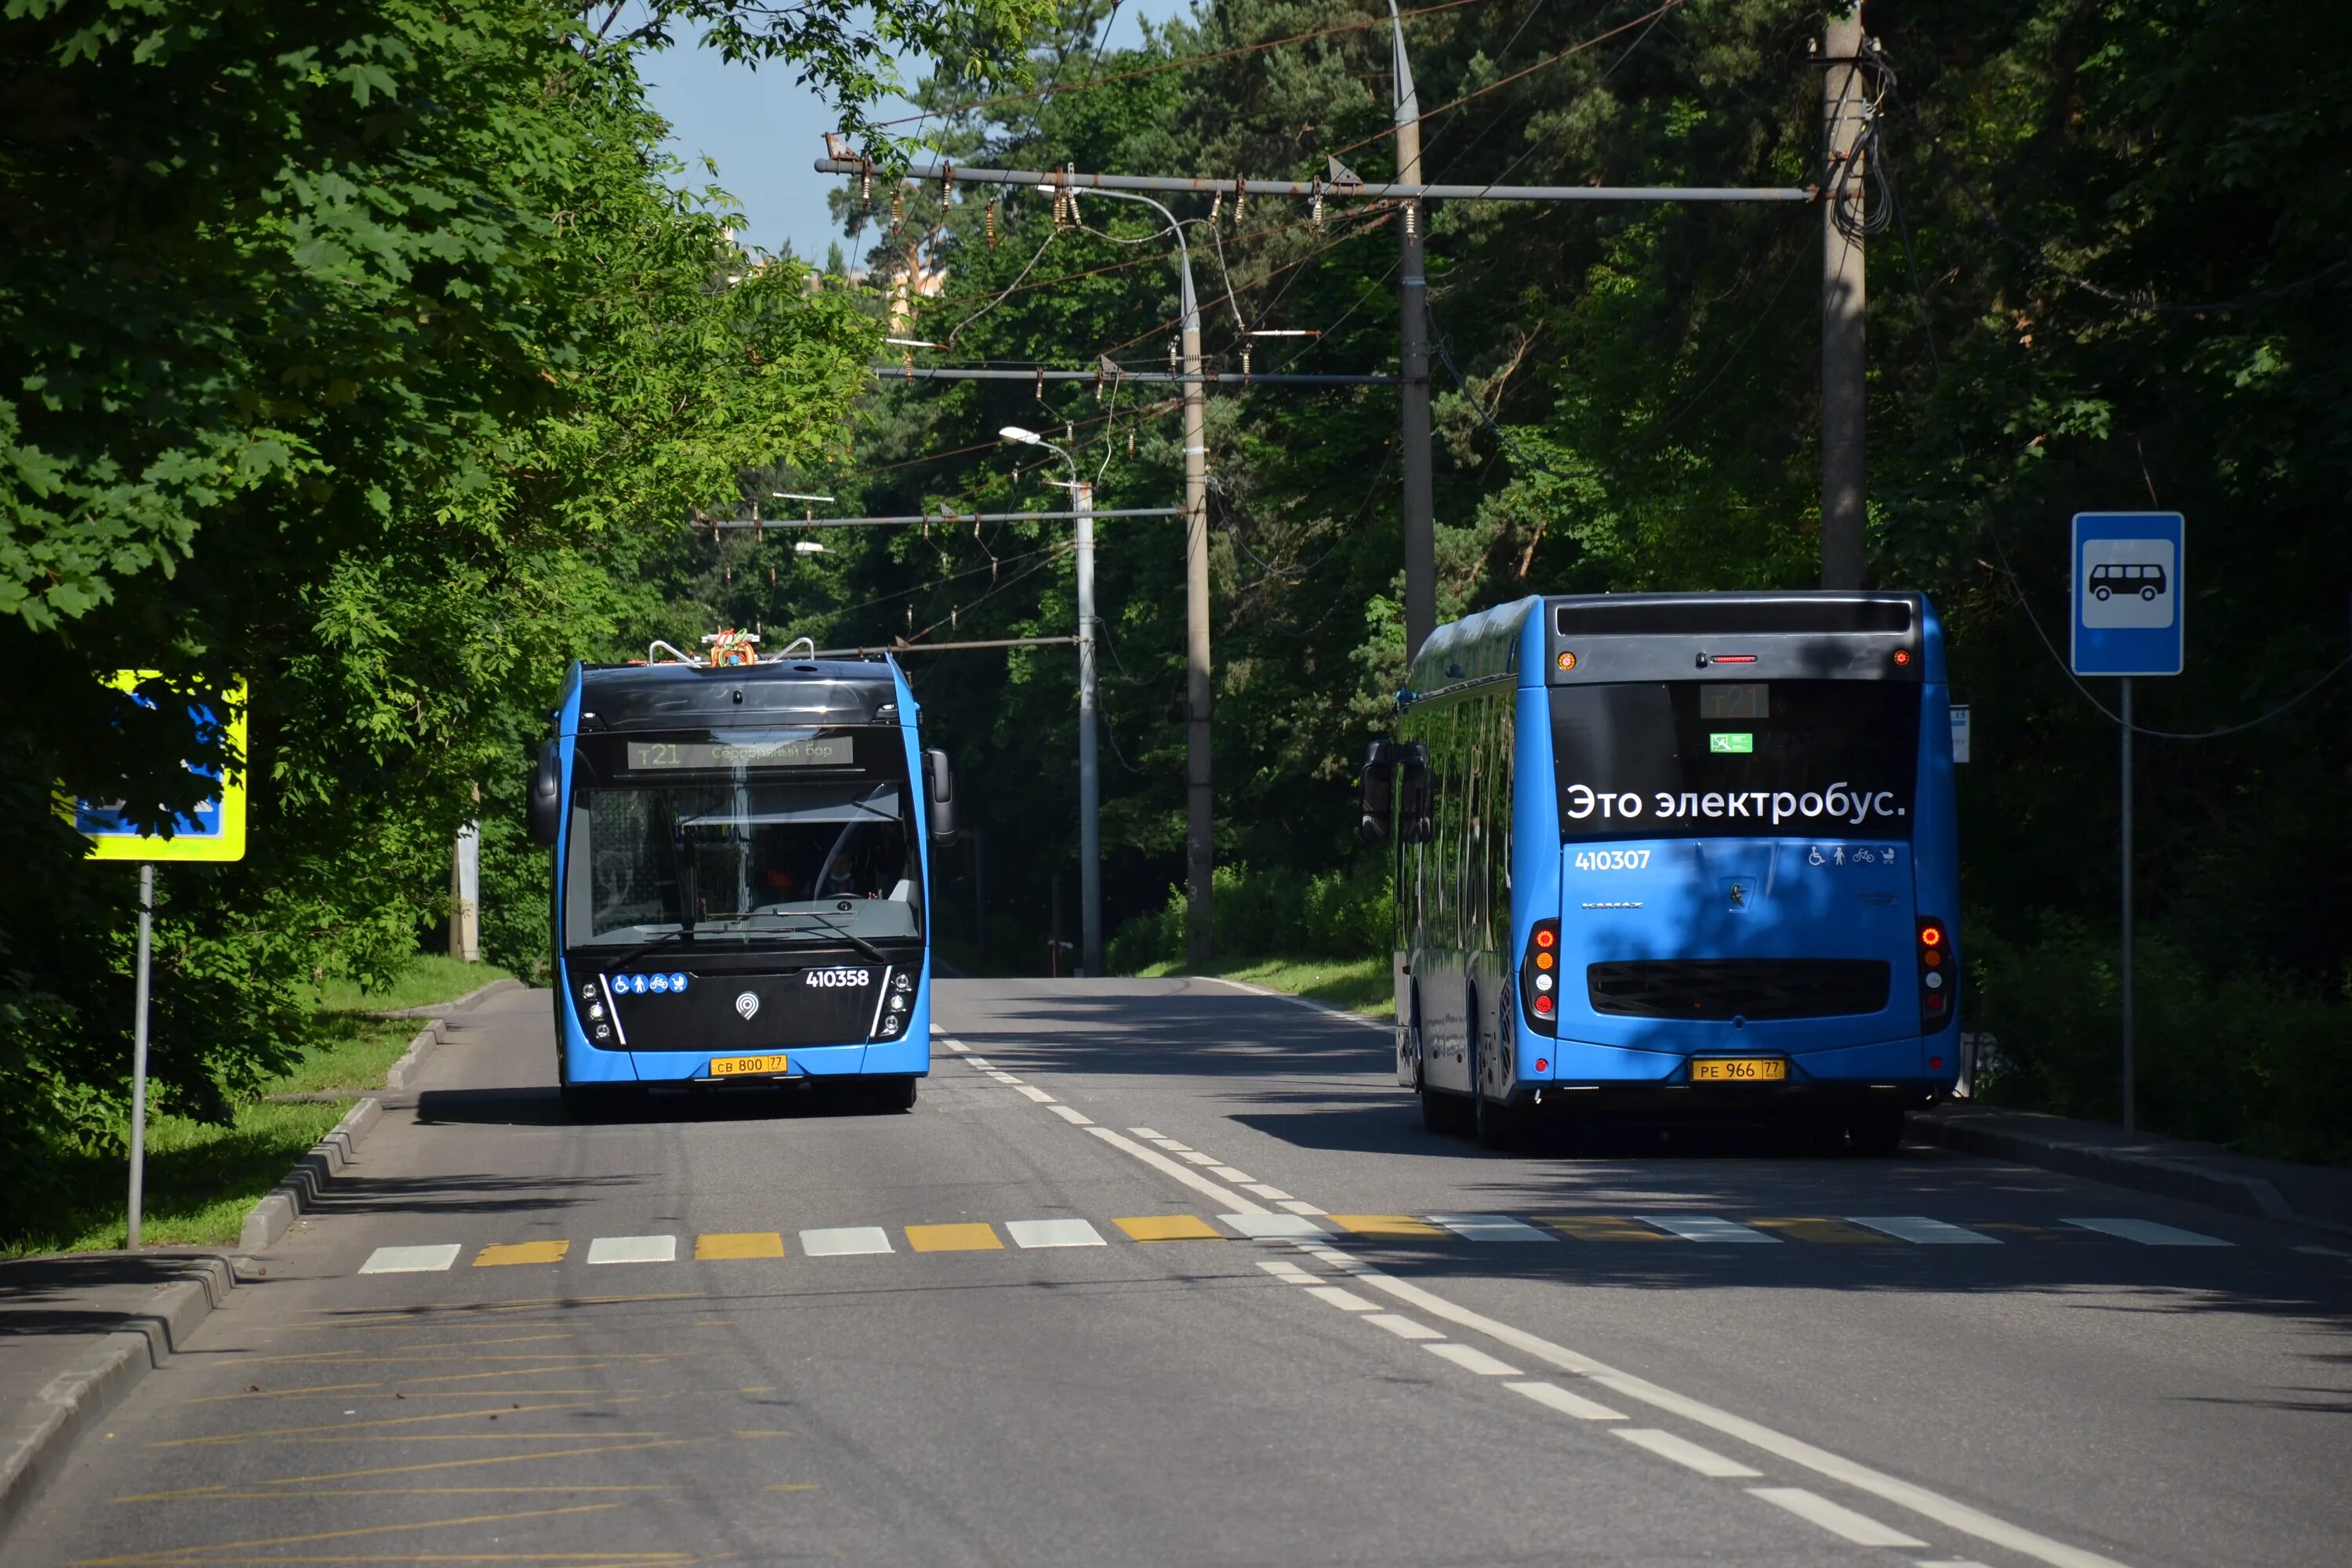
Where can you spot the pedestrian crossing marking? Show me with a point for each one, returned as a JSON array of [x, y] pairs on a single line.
[[973, 1237], [845, 1241], [1597, 1227], [2148, 1232], [1827, 1232], [1707, 1227], [411, 1259], [1488, 1228], [2031, 1232], [500, 1252], [1034, 1233], [738, 1244], [1924, 1232], [1169, 1228], [1384, 1224], [633, 1249]]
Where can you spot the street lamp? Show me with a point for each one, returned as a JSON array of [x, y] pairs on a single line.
[[1082, 504]]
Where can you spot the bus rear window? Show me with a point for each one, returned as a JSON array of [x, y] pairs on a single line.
[[1689, 759]]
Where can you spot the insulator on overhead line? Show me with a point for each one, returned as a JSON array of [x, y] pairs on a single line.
[[991, 222], [1216, 206], [947, 183]]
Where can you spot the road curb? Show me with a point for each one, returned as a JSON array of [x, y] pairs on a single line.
[[268, 1220], [438, 1009], [41, 1435], [2154, 1174]]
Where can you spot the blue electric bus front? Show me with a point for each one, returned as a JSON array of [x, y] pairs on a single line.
[[1677, 852], [741, 878]]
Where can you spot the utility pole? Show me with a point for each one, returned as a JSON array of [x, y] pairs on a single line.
[[1200, 847], [1419, 512], [1844, 105], [1090, 958]]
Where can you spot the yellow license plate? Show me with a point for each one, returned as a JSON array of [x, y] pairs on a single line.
[[740, 1066], [1738, 1070]]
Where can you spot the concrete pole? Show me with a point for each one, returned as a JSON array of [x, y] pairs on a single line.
[[466, 894], [138, 1056], [1090, 935], [1200, 847], [1845, 98], [1419, 504]]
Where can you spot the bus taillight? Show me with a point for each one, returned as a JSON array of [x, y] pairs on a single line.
[[1539, 978], [1938, 976]]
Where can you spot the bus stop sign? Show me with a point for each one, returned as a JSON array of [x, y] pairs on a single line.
[[214, 831], [2128, 593]]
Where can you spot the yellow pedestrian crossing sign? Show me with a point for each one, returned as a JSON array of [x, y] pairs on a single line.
[[215, 829]]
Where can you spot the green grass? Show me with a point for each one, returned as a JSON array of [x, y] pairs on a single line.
[[1360, 984], [202, 1178], [430, 977]]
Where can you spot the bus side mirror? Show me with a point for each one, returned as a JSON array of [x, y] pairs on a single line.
[[1376, 794], [547, 796], [1414, 806], [938, 780]]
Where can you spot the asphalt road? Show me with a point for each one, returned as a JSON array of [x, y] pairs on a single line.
[[671, 1340]]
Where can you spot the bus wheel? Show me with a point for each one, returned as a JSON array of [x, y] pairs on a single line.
[[893, 1093], [1876, 1130]]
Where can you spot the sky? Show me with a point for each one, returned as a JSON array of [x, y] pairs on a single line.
[[765, 130]]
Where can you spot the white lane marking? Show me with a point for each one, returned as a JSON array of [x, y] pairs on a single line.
[[1470, 1359], [1003, 1078], [1227, 1173], [1194, 1157], [1835, 1517], [2148, 1232], [1261, 1224], [1924, 1232], [1551, 1396], [1185, 1173], [1172, 1146], [1947, 1511], [1335, 1013], [846, 1241], [957, 1046], [1704, 1227], [982, 1063], [1284, 1270], [411, 1259], [633, 1249], [1344, 1299], [1295, 1207], [1685, 1452], [1039, 1095], [1143, 1132], [2323, 1252], [1271, 1194], [1489, 1227], [1404, 1328], [1053, 1233], [1074, 1118]]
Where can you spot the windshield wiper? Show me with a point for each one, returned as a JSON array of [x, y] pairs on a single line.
[[860, 943], [644, 948]]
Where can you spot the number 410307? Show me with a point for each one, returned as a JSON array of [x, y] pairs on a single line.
[[1611, 860]]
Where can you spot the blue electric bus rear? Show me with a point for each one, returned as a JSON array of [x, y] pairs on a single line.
[[742, 875], [1719, 870]]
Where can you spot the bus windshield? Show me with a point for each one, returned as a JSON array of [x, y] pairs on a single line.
[[1686, 758], [754, 860]]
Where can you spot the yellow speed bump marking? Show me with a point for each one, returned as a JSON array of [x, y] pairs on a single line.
[[522, 1252], [1597, 1227], [1384, 1224], [1169, 1228], [973, 1237], [1832, 1232], [739, 1244]]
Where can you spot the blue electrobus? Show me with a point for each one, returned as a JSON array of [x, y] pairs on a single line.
[[741, 880], [1675, 854]]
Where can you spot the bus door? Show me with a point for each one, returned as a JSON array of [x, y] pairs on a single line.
[[1736, 867]]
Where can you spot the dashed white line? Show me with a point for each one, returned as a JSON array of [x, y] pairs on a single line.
[[1685, 1452], [1835, 1517], [1551, 1396], [1404, 1328], [1227, 1173], [1297, 1206], [1470, 1359], [633, 1249], [982, 1063], [411, 1259], [1194, 1157], [1347, 1300], [1039, 1095], [2148, 1232], [1185, 1173], [1263, 1225], [1282, 1268], [1075, 1119], [1271, 1194], [1003, 1077], [1143, 1132]]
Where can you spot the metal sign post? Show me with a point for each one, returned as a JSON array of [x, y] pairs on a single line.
[[213, 831], [2128, 593]]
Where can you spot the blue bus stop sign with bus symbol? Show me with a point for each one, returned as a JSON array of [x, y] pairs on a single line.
[[2128, 591], [214, 831]]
